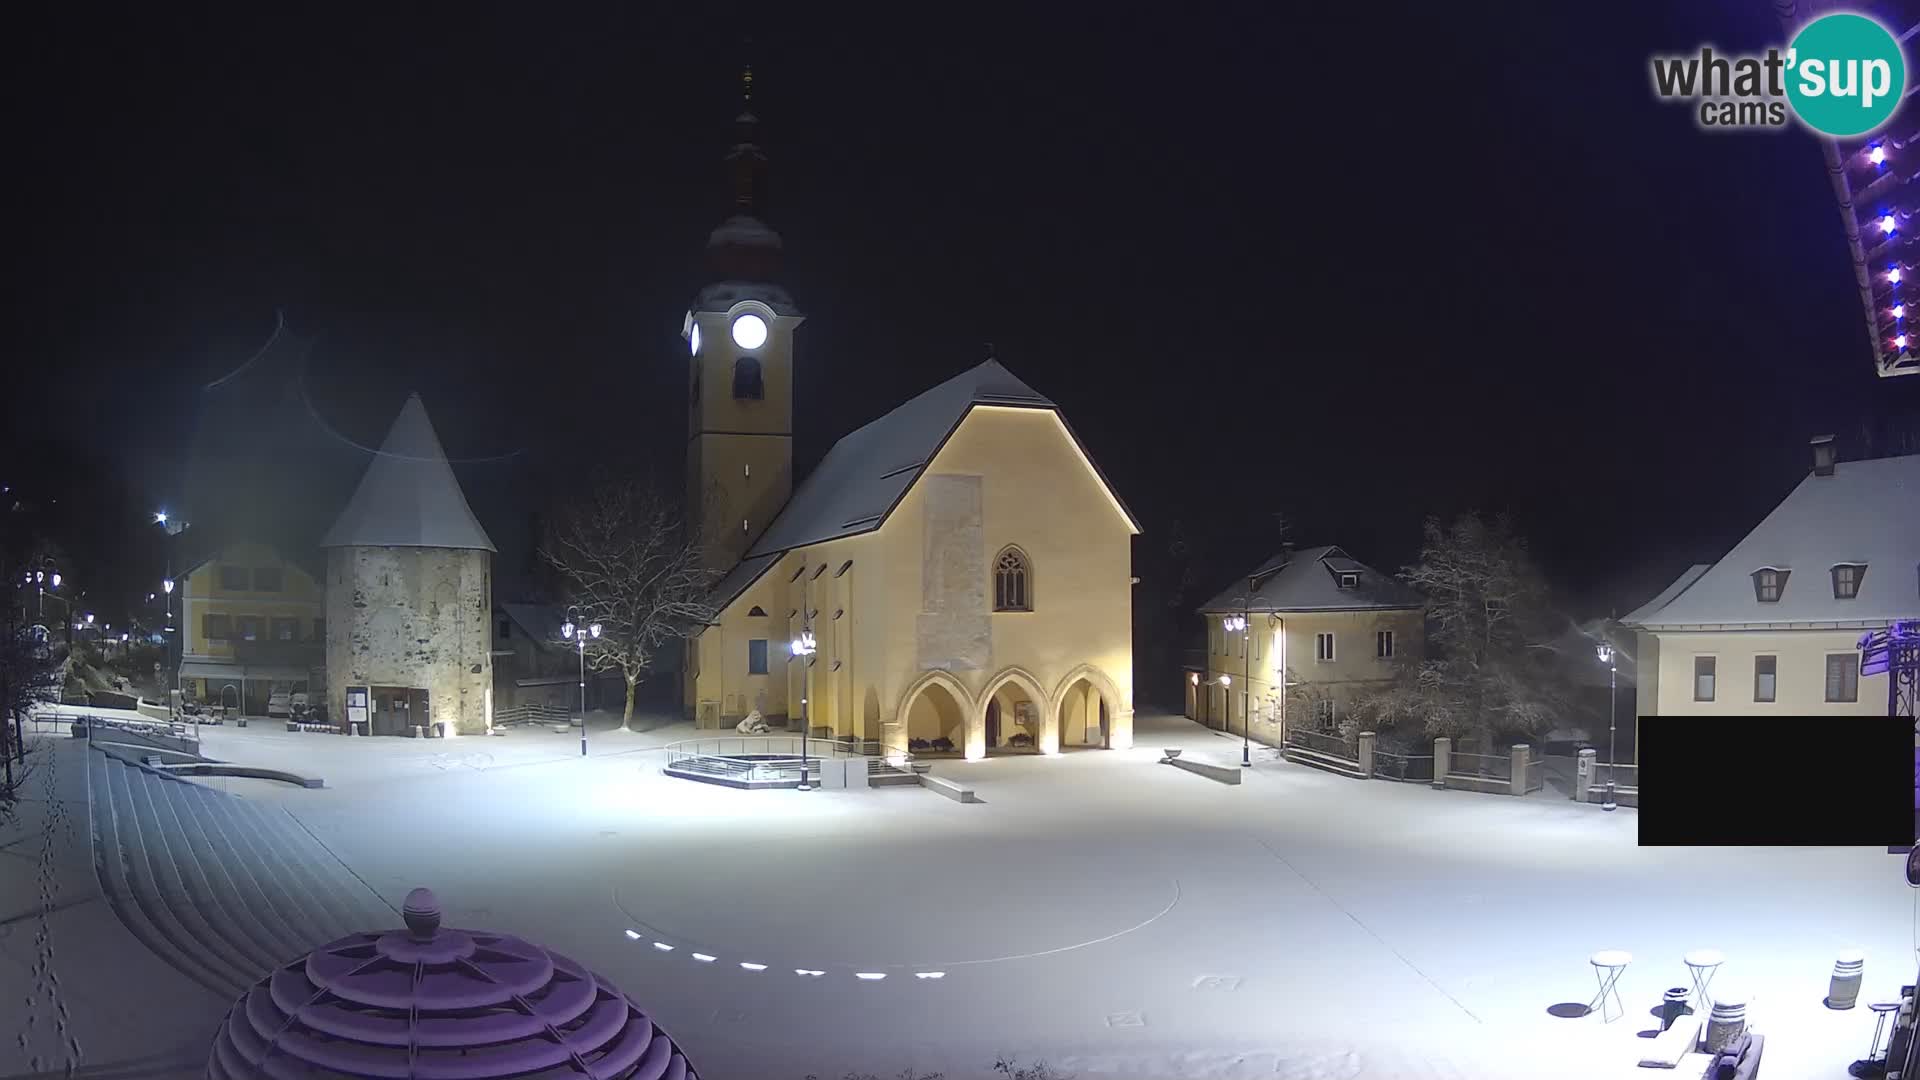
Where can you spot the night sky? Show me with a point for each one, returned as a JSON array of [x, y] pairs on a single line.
[[1353, 266]]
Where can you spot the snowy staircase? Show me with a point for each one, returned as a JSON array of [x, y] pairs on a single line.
[[880, 773], [221, 888], [1300, 755]]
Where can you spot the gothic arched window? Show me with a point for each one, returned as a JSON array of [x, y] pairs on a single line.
[[746, 378], [1012, 581]]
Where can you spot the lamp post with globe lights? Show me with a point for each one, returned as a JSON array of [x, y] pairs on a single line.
[[1605, 651], [579, 634], [1237, 624], [803, 649]]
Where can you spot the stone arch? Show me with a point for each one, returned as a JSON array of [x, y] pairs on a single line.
[[1048, 736], [971, 735], [1119, 710]]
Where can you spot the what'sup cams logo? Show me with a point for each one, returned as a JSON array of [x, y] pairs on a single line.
[[1842, 75]]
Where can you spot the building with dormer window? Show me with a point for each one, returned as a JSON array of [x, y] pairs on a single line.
[[1775, 625]]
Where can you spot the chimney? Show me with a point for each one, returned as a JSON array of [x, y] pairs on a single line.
[[1822, 455]]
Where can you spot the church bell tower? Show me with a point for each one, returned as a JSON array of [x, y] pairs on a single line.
[[739, 336]]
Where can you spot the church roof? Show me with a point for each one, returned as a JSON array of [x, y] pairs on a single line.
[[1866, 514], [409, 496], [1308, 580], [870, 470]]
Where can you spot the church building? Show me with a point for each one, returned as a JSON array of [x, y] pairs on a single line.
[[954, 577]]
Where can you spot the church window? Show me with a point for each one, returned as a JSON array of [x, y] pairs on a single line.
[[746, 379], [757, 656], [817, 573], [1012, 581], [801, 569], [839, 612], [757, 610], [844, 567]]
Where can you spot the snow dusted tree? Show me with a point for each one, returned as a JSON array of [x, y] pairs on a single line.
[[625, 557], [1489, 667]]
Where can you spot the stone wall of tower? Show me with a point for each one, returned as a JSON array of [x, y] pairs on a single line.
[[412, 617]]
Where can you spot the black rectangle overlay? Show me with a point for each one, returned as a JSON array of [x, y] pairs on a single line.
[[1764, 781]]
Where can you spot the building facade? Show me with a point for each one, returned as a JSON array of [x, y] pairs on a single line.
[[409, 595], [253, 629], [960, 565], [1293, 641], [1774, 626]]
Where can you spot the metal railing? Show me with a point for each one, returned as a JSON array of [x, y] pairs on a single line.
[[1324, 742], [1481, 766], [1411, 768], [1625, 775], [534, 712]]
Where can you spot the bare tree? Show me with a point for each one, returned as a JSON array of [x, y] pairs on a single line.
[[625, 557], [1489, 669]]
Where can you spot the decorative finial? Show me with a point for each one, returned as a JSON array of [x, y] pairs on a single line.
[[422, 914]]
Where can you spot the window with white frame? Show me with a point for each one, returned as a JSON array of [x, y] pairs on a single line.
[[1323, 647], [1846, 580], [1843, 676], [1383, 644], [1766, 677], [1768, 583], [1703, 677]]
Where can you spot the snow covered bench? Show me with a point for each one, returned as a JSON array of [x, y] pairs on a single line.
[[1226, 774], [956, 792]]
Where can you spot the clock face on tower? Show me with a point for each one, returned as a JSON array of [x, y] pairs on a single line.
[[749, 331]]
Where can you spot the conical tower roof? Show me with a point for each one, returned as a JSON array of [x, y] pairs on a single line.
[[409, 496]]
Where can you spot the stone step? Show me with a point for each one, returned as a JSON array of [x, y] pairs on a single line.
[[115, 855], [893, 779], [1324, 762], [248, 914], [181, 887], [264, 893]]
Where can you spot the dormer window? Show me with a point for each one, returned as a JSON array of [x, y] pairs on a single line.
[[1349, 581], [1846, 580], [1768, 583]]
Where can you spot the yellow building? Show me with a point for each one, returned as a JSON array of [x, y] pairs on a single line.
[[961, 565], [251, 629], [1294, 640], [1775, 625]]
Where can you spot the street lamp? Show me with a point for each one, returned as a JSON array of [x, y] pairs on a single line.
[[1605, 652], [1237, 624], [803, 649], [578, 635]]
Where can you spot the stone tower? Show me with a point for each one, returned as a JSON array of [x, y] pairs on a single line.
[[410, 593], [739, 332]]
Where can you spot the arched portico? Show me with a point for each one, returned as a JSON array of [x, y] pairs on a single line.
[[1086, 697], [937, 706], [1004, 695]]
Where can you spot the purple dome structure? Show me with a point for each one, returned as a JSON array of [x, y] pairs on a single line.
[[428, 1003]]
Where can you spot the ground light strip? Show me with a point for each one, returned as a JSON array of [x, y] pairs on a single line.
[[1142, 924]]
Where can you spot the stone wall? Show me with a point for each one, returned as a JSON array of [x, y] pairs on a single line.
[[412, 617]]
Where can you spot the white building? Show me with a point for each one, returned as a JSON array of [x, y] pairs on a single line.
[[1774, 627]]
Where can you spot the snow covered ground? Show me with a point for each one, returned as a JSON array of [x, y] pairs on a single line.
[[1110, 915]]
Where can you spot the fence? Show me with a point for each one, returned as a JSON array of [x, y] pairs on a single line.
[[1408, 768], [1323, 742], [532, 713]]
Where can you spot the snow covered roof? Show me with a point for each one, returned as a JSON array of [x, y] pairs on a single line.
[[1308, 580], [869, 471], [540, 622], [1866, 513], [722, 295], [1680, 584], [409, 496]]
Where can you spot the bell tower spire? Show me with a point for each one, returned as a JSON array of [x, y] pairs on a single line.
[[739, 331]]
